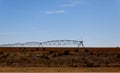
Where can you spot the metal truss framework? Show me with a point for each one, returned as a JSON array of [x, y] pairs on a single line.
[[53, 43], [62, 43]]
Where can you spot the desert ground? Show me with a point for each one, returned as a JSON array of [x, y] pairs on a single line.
[[31, 59], [59, 69]]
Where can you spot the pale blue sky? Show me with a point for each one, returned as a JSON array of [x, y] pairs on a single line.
[[96, 21]]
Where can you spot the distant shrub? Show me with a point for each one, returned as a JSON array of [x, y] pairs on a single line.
[[32, 50], [97, 55], [51, 52], [89, 64], [91, 53], [13, 48], [7, 54], [67, 52], [118, 55], [46, 57], [75, 65], [86, 50], [1, 52], [37, 49], [19, 48], [23, 49], [42, 56], [44, 49], [76, 50]]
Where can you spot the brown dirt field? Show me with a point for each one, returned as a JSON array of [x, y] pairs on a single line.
[[59, 69], [33, 59]]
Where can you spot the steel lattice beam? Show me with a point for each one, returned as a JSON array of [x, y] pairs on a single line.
[[53, 43]]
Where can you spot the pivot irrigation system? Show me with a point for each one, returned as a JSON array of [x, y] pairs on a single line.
[[53, 43]]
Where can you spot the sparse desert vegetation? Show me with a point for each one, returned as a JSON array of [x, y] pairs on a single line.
[[59, 58]]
